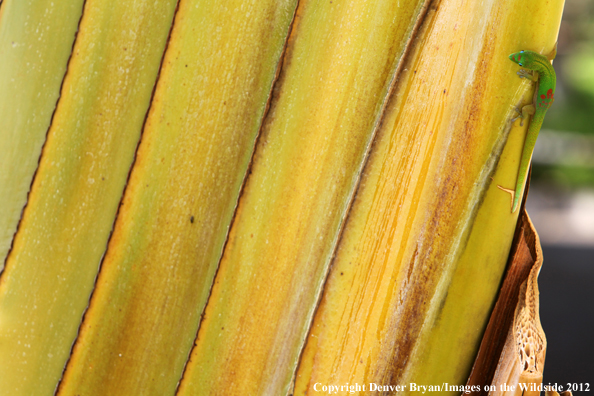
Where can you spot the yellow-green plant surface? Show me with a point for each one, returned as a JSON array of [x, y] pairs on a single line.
[[425, 246], [51, 269], [380, 129], [36, 39], [207, 110], [340, 61]]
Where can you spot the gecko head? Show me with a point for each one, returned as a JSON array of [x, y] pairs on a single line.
[[527, 59], [519, 57]]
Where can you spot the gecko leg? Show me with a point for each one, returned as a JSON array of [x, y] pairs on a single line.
[[553, 53], [523, 114], [512, 193], [527, 75]]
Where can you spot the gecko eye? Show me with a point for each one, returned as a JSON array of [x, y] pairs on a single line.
[[521, 52], [520, 64]]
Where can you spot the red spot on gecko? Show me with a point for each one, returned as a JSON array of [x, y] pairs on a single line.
[[550, 93], [543, 96], [519, 58]]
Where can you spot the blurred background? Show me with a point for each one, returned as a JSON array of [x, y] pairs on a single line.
[[561, 205]]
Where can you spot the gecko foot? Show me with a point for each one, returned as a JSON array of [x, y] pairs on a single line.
[[526, 74], [520, 116], [512, 193]]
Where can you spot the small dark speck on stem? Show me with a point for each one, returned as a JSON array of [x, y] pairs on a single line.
[[192, 219]]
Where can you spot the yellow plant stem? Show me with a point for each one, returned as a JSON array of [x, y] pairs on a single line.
[[51, 269], [217, 75], [340, 62], [36, 39], [424, 247]]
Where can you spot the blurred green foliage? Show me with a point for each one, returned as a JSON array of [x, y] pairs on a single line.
[[564, 177], [573, 109]]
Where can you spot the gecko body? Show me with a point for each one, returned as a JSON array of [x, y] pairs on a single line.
[[544, 75]]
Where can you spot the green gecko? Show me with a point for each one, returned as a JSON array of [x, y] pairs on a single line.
[[544, 74]]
